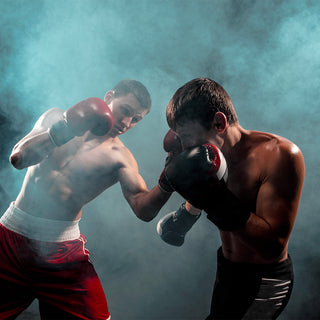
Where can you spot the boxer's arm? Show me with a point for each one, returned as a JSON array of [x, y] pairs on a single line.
[[267, 232], [37, 144], [55, 128], [174, 226], [145, 204]]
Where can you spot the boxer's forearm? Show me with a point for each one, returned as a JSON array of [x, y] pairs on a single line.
[[146, 205], [259, 235], [31, 151]]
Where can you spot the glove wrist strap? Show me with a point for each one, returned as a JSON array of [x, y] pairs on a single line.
[[60, 133]]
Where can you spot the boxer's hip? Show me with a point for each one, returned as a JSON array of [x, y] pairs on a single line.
[[38, 228]]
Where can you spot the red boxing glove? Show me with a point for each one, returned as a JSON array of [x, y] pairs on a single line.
[[92, 114], [172, 143]]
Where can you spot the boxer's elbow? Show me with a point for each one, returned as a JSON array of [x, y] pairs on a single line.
[[139, 205], [271, 248], [280, 239], [145, 218], [272, 251], [280, 246], [16, 160], [145, 215]]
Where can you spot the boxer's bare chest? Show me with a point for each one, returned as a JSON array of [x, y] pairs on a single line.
[[81, 169], [70, 177]]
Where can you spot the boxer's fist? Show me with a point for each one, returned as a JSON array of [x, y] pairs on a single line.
[[172, 143], [195, 164], [199, 175], [92, 114], [173, 227], [192, 170]]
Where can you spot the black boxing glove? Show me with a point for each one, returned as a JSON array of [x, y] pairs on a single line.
[[189, 171], [199, 175], [226, 211], [174, 226]]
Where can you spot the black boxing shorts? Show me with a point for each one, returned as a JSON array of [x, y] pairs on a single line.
[[250, 291]]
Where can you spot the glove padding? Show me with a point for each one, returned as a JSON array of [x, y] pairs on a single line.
[[172, 143], [197, 175], [92, 114], [173, 227], [192, 170]]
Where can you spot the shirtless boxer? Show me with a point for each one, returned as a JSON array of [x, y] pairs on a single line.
[[255, 209], [72, 157]]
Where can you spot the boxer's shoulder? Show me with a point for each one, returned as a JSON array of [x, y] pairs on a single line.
[[117, 150], [276, 154], [48, 118], [287, 159], [282, 148], [271, 143]]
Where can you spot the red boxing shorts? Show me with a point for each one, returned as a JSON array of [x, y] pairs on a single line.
[[58, 274]]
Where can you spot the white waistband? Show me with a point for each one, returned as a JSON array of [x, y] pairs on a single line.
[[38, 228]]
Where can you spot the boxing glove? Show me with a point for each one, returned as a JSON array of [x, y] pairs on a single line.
[[199, 175], [193, 167], [173, 227], [92, 114], [172, 145]]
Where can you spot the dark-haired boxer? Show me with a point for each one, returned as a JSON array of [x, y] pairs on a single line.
[[254, 208], [72, 156]]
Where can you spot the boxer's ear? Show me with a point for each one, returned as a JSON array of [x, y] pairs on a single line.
[[220, 122], [109, 96]]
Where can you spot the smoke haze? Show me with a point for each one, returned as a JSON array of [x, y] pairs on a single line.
[[264, 53]]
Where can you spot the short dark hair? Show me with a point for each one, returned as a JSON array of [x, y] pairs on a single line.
[[199, 100], [135, 87]]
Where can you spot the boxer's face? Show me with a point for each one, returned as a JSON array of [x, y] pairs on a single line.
[[192, 134], [126, 111]]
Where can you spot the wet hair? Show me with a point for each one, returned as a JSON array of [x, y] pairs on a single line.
[[199, 100], [135, 87]]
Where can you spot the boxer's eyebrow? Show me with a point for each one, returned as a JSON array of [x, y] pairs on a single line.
[[133, 111], [128, 108]]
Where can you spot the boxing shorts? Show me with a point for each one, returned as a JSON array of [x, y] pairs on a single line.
[[57, 273], [250, 291]]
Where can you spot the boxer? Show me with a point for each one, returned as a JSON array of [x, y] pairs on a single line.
[[254, 208], [71, 157], [173, 227]]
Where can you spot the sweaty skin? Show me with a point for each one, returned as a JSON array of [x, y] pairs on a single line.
[[72, 175], [266, 171]]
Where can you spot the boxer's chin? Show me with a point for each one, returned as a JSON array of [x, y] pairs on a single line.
[[113, 133]]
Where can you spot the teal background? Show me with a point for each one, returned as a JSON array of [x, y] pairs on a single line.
[[54, 53]]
